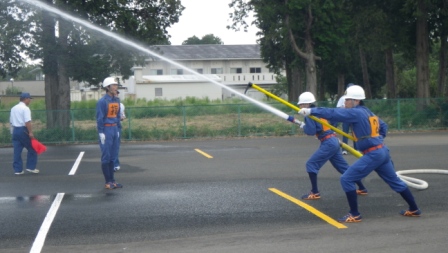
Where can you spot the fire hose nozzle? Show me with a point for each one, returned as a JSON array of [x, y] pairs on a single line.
[[249, 85]]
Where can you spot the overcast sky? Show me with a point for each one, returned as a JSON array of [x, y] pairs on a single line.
[[202, 17]]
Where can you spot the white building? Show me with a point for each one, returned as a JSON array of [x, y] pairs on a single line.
[[212, 71], [201, 71]]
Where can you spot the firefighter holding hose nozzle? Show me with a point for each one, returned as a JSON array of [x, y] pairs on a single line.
[[369, 131], [329, 149]]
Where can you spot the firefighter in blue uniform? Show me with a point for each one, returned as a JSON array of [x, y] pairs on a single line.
[[329, 149], [369, 132], [108, 125]]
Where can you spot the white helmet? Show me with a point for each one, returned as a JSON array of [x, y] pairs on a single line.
[[108, 81], [306, 98], [355, 92]]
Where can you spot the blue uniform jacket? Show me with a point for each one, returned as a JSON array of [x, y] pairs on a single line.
[[358, 118], [107, 112], [315, 128]]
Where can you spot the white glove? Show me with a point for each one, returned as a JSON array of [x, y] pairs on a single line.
[[302, 125], [102, 138], [305, 112]]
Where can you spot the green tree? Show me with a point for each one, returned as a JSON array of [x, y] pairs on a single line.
[[206, 39], [27, 73], [422, 24], [440, 31], [16, 40], [280, 88], [351, 40], [83, 55], [192, 41], [275, 45], [315, 31]]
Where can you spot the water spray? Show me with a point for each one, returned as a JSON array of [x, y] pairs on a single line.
[[145, 50]]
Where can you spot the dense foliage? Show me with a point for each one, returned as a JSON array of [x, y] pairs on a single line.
[[373, 43], [206, 39]]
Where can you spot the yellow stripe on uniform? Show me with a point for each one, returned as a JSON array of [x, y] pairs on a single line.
[[203, 153], [308, 208]]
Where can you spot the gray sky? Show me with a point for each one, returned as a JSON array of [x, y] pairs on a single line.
[[202, 17]]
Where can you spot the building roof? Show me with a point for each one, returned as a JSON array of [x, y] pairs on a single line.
[[208, 52], [180, 79]]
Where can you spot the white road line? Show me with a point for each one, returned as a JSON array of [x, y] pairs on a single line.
[[75, 166], [40, 238]]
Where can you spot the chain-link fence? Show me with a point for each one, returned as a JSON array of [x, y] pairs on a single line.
[[215, 121]]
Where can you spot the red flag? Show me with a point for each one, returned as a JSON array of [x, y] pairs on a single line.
[[38, 147]]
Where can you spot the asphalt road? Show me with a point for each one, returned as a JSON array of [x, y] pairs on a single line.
[[175, 199]]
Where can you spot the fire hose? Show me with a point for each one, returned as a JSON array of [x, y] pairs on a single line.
[[410, 181]]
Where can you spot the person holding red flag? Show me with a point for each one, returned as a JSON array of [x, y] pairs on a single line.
[[22, 134]]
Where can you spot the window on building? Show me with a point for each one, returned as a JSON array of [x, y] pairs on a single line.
[[255, 70], [200, 71], [177, 71], [158, 92], [156, 72], [216, 70], [236, 70]]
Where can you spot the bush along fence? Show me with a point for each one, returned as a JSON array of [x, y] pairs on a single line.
[[215, 121]]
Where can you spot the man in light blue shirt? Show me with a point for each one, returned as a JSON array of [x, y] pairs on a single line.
[[22, 133]]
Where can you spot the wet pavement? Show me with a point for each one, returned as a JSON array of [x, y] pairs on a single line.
[[176, 199]]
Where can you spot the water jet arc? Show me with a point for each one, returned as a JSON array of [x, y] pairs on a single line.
[[145, 50]]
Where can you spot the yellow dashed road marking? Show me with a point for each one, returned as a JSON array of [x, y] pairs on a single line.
[[203, 153]]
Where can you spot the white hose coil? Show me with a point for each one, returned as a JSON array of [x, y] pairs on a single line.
[[418, 183]]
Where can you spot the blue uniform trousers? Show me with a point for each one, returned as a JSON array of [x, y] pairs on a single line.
[[329, 150], [20, 140], [109, 151], [378, 160], [117, 160]]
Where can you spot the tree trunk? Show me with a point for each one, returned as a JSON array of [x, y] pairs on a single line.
[[390, 74], [49, 65], [441, 87], [422, 45], [341, 85], [309, 56], [294, 80], [63, 91], [311, 75], [365, 73], [57, 84], [321, 86], [310, 66]]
